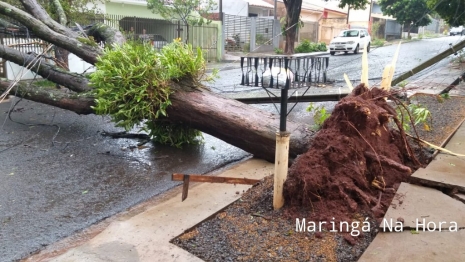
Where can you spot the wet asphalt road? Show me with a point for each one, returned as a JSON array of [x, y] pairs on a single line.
[[411, 54], [53, 186]]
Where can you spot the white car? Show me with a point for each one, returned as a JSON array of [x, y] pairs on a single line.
[[457, 31], [352, 40]]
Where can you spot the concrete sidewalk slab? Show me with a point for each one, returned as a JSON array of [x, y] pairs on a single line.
[[445, 170], [424, 246], [457, 143], [146, 236], [414, 203]]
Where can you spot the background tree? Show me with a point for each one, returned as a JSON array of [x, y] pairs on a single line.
[[188, 11], [407, 12], [453, 12], [293, 9]]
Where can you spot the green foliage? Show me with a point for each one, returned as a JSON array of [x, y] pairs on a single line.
[[403, 84], [173, 134], [278, 51], [183, 9], [354, 4], [132, 84], [284, 26], [260, 39], [419, 114], [320, 114], [409, 12], [377, 42], [375, 29], [74, 10], [451, 11], [445, 96], [246, 47], [307, 47]]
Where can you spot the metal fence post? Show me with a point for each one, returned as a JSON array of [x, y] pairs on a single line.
[[253, 32]]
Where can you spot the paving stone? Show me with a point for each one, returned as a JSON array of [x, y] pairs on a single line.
[[457, 142], [445, 171], [424, 246], [428, 206]]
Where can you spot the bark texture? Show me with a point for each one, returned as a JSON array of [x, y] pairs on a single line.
[[293, 8], [248, 128]]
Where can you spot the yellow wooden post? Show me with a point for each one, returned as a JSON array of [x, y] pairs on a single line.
[[280, 167]]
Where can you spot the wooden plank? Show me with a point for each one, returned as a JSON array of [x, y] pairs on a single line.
[[185, 187], [215, 179]]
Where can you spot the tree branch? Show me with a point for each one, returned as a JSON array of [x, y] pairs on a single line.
[[86, 52], [53, 73], [80, 104], [36, 10], [61, 13]]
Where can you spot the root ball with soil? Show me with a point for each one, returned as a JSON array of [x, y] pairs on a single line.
[[356, 162]]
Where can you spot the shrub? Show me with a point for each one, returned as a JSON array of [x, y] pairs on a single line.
[[307, 47], [377, 42], [278, 51], [132, 85], [246, 47]]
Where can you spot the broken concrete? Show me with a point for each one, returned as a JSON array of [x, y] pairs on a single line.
[[457, 142], [444, 171], [429, 206], [416, 246]]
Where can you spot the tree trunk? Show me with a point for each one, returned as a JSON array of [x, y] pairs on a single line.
[[241, 125], [290, 41], [238, 124], [293, 8]]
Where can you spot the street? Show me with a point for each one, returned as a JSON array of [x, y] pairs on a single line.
[[60, 175], [411, 54]]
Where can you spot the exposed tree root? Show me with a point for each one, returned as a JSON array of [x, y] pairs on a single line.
[[355, 161]]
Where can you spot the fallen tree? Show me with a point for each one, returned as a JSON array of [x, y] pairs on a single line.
[[246, 127]]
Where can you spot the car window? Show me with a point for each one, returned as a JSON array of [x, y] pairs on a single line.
[[349, 33], [158, 38]]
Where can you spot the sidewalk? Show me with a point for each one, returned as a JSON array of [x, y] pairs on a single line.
[[432, 205], [434, 223], [145, 236], [143, 233]]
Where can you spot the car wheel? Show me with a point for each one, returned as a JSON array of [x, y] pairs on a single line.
[[332, 52], [368, 48], [356, 50], [345, 52]]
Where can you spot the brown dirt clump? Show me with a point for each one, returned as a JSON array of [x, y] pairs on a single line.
[[355, 163]]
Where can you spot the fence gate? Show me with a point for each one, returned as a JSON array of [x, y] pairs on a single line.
[[236, 32]]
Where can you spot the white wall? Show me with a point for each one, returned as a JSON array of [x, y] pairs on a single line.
[[14, 71], [98, 6], [359, 17], [234, 7], [76, 65]]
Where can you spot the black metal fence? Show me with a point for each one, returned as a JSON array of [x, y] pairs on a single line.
[[159, 32], [279, 71], [248, 33]]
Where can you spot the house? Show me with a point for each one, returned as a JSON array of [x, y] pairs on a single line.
[[322, 20]]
